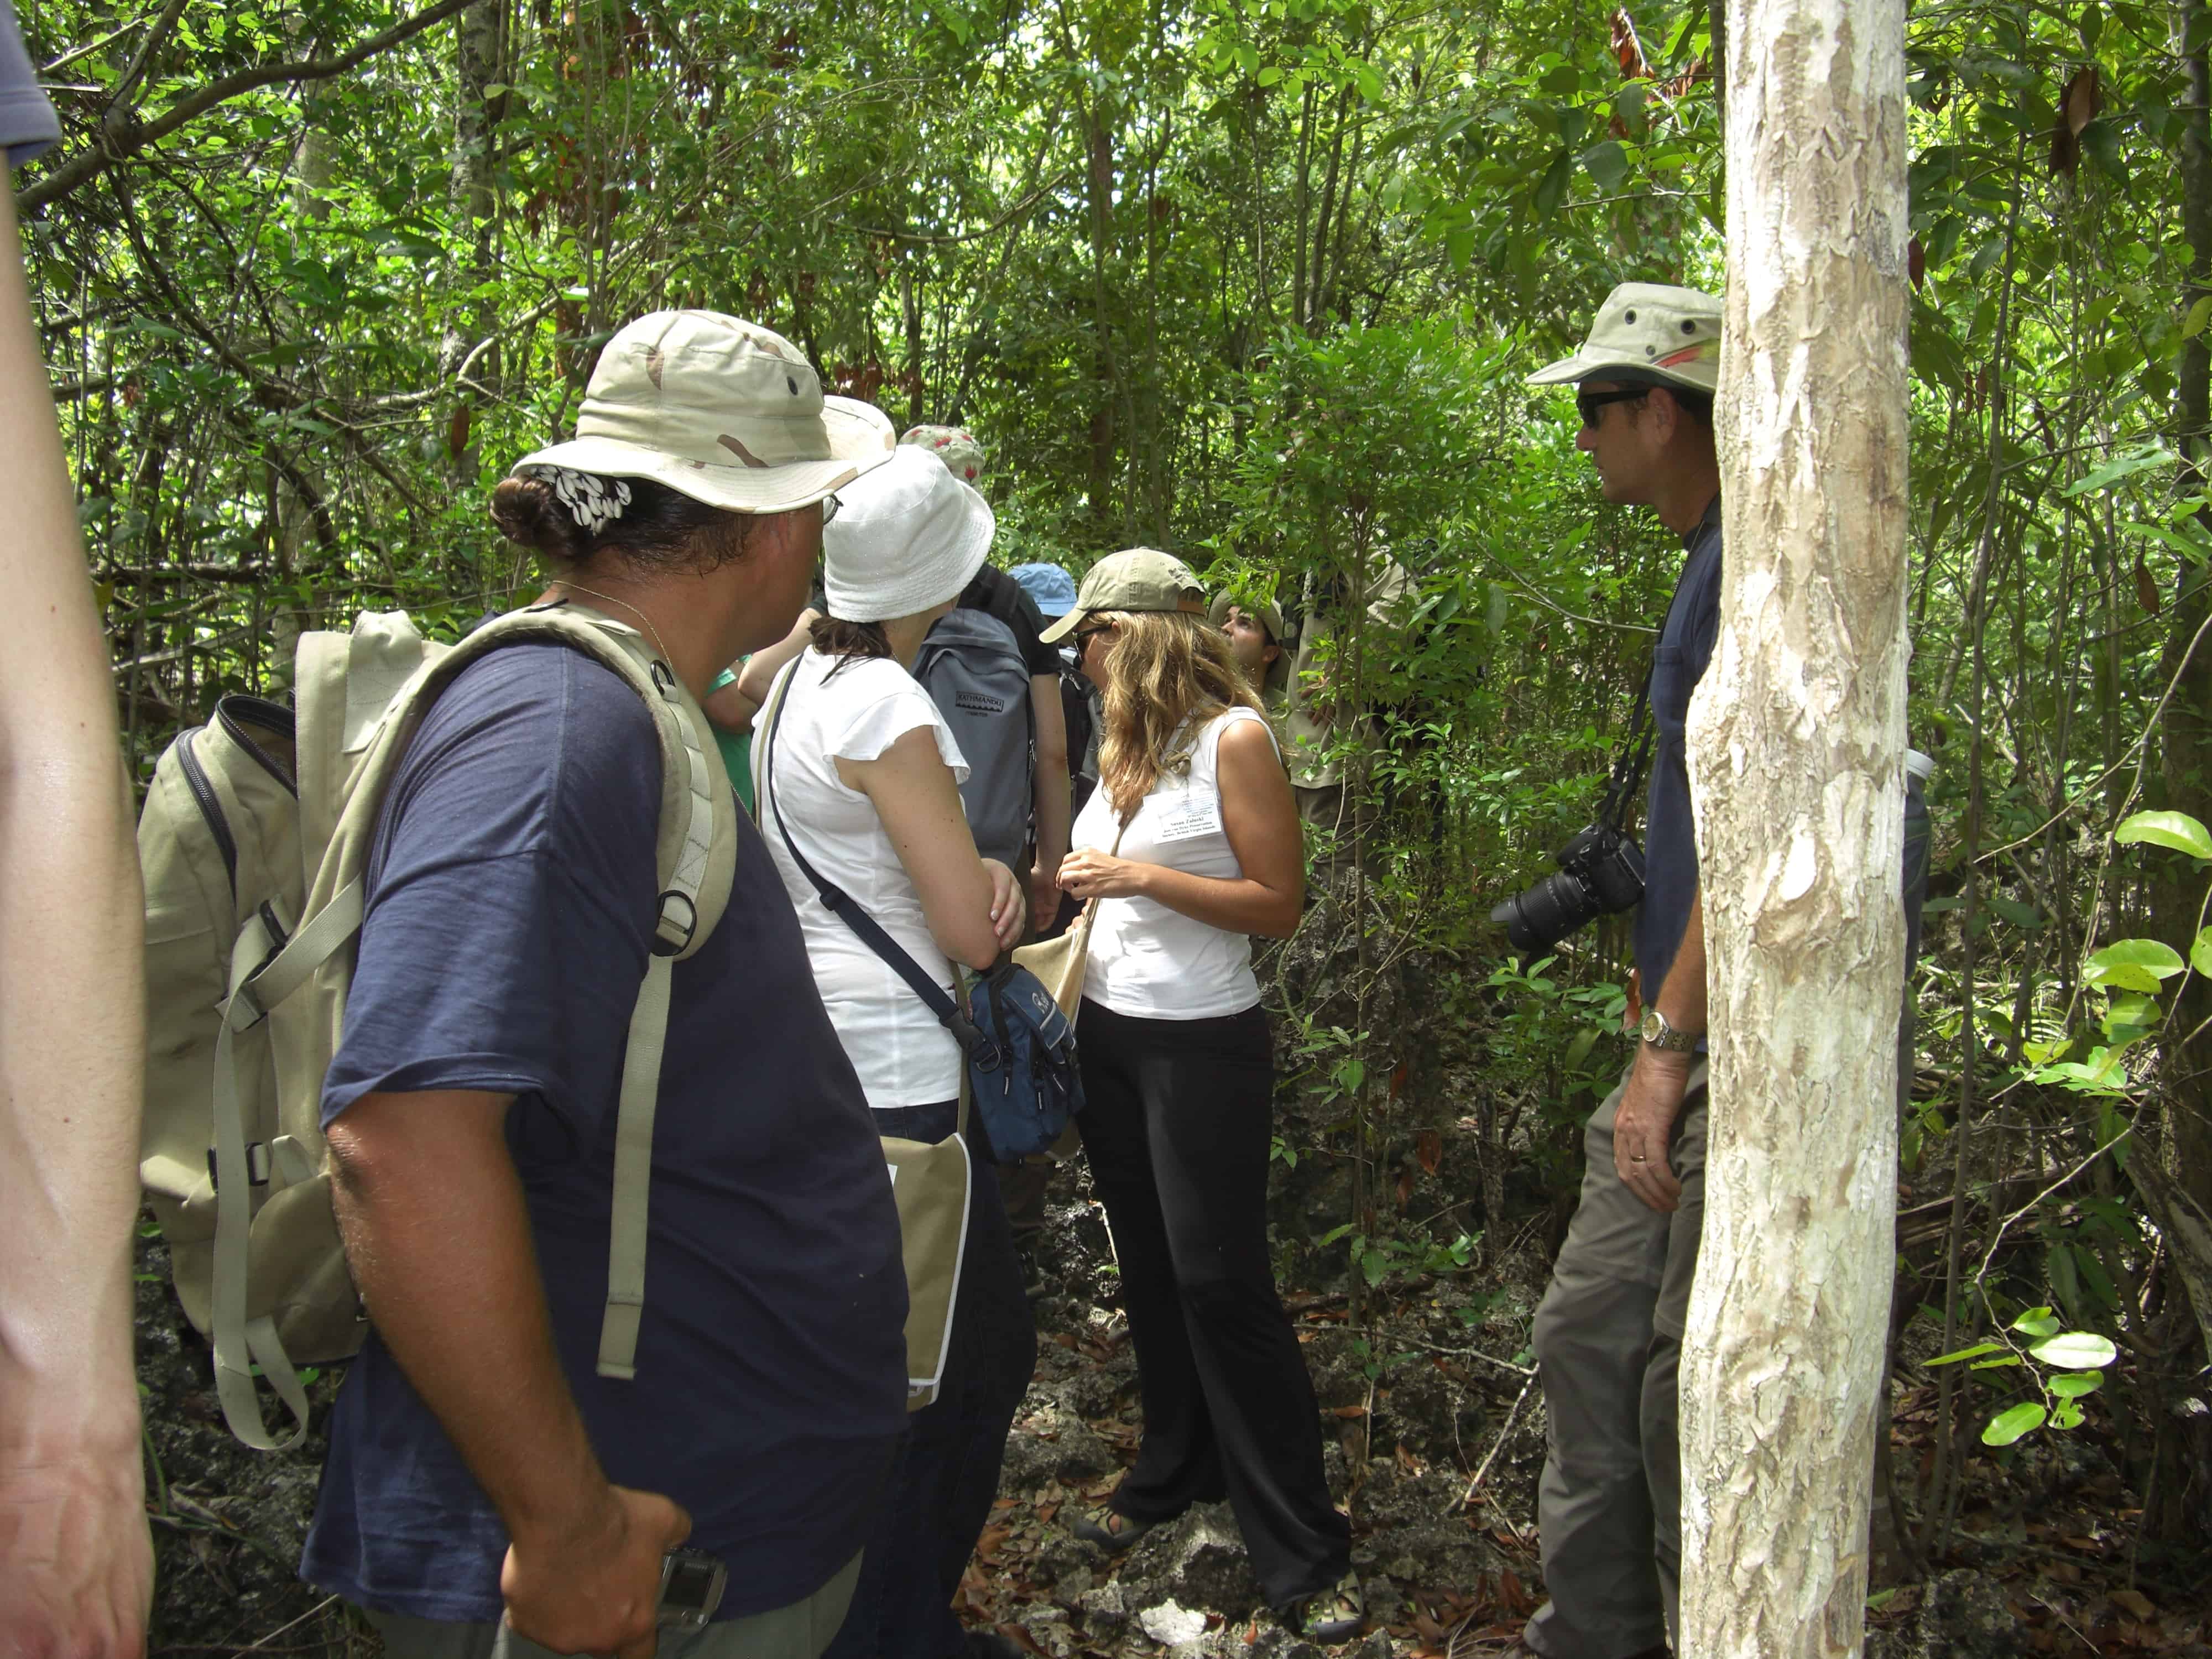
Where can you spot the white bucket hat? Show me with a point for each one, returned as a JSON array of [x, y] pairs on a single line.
[[906, 537], [725, 411]]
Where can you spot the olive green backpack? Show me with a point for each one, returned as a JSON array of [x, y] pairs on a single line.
[[254, 841]]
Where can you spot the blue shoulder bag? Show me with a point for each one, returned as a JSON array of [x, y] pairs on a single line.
[[1022, 1075]]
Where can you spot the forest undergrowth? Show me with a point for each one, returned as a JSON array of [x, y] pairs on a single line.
[[1416, 1335]]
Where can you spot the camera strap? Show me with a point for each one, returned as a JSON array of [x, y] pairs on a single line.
[[1630, 764]]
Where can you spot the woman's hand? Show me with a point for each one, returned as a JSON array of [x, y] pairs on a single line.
[[1088, 873], [1009, 911]]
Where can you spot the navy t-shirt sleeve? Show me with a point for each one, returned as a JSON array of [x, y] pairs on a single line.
[[27, 125], [510, 894]]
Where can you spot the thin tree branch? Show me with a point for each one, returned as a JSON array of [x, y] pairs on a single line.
[[121, 135]]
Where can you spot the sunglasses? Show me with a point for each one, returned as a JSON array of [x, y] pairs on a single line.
[[830, 506], [1083, 636], [1588, 404]]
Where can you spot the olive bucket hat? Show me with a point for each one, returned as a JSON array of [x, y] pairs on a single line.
[[1644, 333], [1135, 579], [725, 411]]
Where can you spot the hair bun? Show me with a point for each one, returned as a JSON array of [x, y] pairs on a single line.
[[528, 514]]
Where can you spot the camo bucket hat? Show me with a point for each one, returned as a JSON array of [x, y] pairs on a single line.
[[954, 445]]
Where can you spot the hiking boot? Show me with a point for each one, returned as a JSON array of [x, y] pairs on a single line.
[[1101, 1524], [1333, 1615]]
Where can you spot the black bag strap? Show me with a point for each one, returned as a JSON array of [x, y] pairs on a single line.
[[973, 1041], [1635, 756]]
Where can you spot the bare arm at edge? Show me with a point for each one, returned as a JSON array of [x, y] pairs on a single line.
[[1262, 825], [77, 1566], [1052, 798], [439, 1240]]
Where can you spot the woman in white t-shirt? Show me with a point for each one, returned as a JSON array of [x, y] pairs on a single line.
[[1178, 1081], [852, 759]]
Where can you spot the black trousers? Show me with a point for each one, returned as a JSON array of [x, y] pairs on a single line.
[[1176, 1123], [946, 1474]]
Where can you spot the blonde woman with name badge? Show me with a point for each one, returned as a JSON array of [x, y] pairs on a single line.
[[1190, 846]]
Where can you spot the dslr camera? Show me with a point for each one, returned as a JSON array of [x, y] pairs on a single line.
[[1600, 873]]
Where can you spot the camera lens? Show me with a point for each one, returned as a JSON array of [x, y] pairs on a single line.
[[1547, 913]]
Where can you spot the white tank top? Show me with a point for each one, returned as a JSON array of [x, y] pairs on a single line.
[[1145, 959]]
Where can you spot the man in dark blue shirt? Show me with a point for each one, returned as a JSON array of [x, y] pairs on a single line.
[[481, 1466], [1609, 1334]]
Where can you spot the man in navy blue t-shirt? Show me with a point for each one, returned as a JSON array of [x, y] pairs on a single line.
[[1609, 1335], [480, 1467]]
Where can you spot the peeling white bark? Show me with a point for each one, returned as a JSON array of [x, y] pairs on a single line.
[[1797, 747]]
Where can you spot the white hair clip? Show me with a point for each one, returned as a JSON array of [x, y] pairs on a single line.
[[591, 499]]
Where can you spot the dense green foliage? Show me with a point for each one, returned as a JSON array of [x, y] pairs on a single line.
[[1256, 280]]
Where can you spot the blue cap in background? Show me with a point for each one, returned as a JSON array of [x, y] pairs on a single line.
[[1051, 587]]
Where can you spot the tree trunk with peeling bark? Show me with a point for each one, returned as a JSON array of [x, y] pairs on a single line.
[[1796, 746]]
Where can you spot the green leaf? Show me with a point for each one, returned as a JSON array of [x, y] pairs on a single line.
[[2068, 1416], [1373, 1266], [2101, 139], [1554, 189], [1974, 1353], [2154, 956], [2008, 1426], [2120, 466], [2076, 1351], [2200, 953], [2180, 541], [1998, 1363], [2067, 1384], [2193, 325], [1268, 76], [2176, 830], [2126, 977], [2036, 1322], [1608, 165]]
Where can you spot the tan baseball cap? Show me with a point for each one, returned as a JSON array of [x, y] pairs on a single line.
[[1647, 332], [725, 411], [1135, 579]]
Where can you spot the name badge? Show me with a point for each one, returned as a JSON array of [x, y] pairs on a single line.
[[1189, 816]]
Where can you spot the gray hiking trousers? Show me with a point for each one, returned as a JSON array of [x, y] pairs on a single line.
[[1609, 1342]]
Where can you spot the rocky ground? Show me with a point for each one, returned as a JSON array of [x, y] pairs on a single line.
[[1433, 1445], [1433, 1432]]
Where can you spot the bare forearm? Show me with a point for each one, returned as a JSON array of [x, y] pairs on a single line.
[[72, 1031], [1053, 815], [1682, 998], [439, 1239], [758, 678], [76, 1564], [1242, 906]]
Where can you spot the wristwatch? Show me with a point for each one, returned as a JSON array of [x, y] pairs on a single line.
[[1661, 1035]]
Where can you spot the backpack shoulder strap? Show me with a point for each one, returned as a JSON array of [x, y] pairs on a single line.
[[696, 861]]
